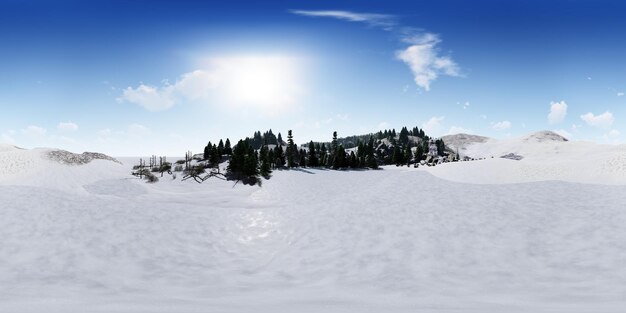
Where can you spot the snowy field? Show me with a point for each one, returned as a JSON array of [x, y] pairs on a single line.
[[92, 238]]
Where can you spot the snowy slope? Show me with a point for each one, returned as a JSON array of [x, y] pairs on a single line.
[[308, 240], [546, 156], [44, 167], [461, 141]]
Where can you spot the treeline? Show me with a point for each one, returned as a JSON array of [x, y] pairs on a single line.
[[265, 152]]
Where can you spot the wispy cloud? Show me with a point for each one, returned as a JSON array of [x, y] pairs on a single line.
[[380, 20], [422, 55], [34, 131], [604, 120], [67, 126], [500, 126]]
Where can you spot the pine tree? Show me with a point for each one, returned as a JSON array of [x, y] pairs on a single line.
[[339, 160], [353, 160], [265, 162], [408, 155], [220, 148], [291, 151], [207, 151], [302, 159], [419, 153], [397, 156], [227, 149], [404, 136], [279, 156], [279, 140], [313, 161]]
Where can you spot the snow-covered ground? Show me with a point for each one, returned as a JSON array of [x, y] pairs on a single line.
[[546, 156], [92, 238]]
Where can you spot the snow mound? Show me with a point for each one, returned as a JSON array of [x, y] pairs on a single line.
[[543, 136], [461, 141], [69, 158], [57, 169]]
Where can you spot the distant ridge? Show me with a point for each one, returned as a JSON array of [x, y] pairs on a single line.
[[461, 141], [544, 136]]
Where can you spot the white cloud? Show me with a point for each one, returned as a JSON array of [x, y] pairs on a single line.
[[382, 20], [604, 120], [138, 131], [34, 131], [504, 125], [69, 126], [422, 55], [269, 82], [483, 116], [614, 133], [466, 105], [423, 58], [150, 97], [459, 130], [558, 110], [382, 126], [619, 94], [432, 127], [563, 133]]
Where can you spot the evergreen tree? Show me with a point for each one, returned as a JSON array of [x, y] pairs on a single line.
[[279, 140], [408, 155], [271, 158], [339, 159], [227, 149], [313, 161], [302, 159], [419, 153], [404, 136], [291, 150], [264, 157], [279, 156], [353, 160], [397, 156], [244, 164], [220, 148], [207, 151]]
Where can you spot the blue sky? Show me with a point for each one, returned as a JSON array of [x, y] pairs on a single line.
[[144, 77]]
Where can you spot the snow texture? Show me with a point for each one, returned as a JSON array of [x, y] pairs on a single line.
[[92, 238]]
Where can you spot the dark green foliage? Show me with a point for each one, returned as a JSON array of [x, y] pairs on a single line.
[[339, 159], [313, 160], [408, 155], [419, 153], [227, 148], [404, 136], [291, 150], [279, 156], [244, 164], [302, 159], [220, 148], [398, 157]]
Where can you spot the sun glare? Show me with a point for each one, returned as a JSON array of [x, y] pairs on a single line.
[[267, 82]]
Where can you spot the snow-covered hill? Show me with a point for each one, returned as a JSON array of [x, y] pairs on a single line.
[[53, 168], [544, 155], [461, 141]]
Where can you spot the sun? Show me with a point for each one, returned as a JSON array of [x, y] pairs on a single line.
[[267, 82]]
